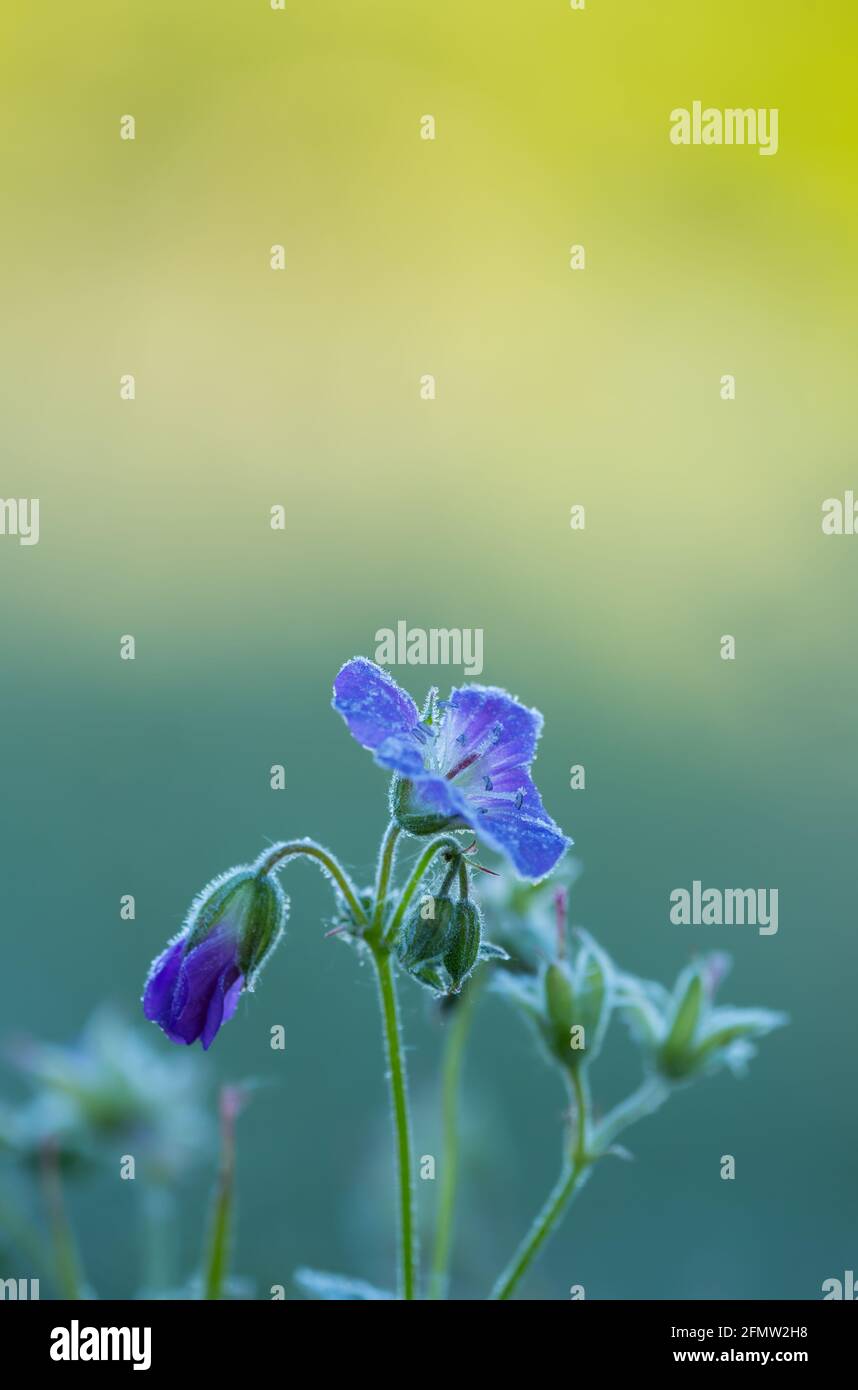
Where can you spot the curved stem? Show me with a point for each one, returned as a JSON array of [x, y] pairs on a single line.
[[575, 1167], [385, 867], [401, 1122], [273, 857], [451, 1073], [419, 872]]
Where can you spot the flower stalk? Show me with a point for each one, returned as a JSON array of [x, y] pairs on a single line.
[[407, 1240], [329, 864], [220, 1236], [454, 1053]]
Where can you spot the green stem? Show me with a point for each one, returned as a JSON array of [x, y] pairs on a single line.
[[575, 1166], [445, 842], [217, 1258], [649, 1097], [579, 1091], [454, 1051], [401, 1122], [66, 1262], [273, 857], [385, 867]]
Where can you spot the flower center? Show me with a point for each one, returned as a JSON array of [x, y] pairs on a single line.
[[485, 745]]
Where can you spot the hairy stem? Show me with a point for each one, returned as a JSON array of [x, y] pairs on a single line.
[[454, 1051], [275, 856], [385, 868], [407, 1244]]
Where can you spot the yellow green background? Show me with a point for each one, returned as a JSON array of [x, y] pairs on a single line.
[[601, 387]]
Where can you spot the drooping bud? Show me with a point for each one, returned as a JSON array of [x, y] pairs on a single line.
[[194, 986], [424, 937], [463, 943], [251, 905]]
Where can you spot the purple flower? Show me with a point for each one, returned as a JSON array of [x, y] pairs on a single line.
[[194, 985], [464, 762]]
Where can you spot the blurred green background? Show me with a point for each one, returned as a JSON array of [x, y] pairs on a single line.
[[450, 257]]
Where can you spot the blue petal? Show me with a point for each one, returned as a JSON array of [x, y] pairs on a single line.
[[517, 826], [207, 973], [533, 842], [478, 712], [163, 973], [222, 1004], [379, 715], [401, 755]]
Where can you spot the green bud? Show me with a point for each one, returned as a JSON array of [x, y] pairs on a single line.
[[560, 1014], [594, 989], [676, 1058], [578, 999], [570, 1002], [424, 935], [463, 943], [695, 1036], [255, 907], [262, 924]]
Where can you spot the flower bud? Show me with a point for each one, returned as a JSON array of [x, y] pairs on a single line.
[[425, 934], [676, 1056], [194, 986], [684, 1035], [594, 991], [559, 1013], [575, 1005], [463, 943]]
